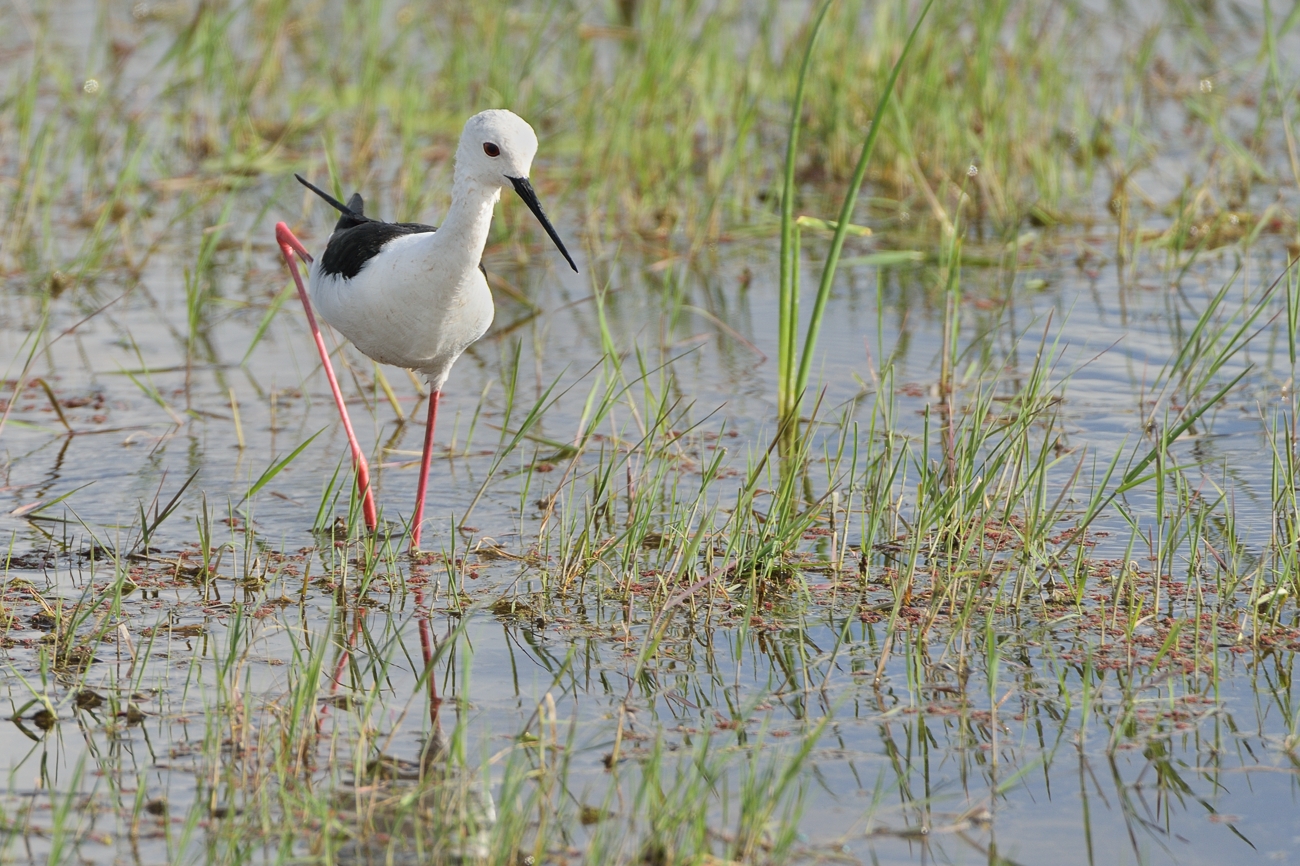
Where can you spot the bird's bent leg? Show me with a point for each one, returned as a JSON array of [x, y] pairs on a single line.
[[417, 520], [288, 246]]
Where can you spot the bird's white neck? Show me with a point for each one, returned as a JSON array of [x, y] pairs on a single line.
[[464, 230]]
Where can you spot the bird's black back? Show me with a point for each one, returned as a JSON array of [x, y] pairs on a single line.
[[357, 238], [352, 246]]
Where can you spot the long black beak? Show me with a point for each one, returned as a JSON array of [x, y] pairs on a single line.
[[526, 192]]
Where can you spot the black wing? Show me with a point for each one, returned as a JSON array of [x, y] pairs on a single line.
[[357, 238], [350, 248]]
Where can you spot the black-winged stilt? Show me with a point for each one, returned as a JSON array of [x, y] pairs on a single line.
[[408, 295]]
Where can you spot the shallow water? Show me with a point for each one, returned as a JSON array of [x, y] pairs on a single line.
[[1053, 748]]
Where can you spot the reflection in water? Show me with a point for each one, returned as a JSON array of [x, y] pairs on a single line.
[[966, 746]]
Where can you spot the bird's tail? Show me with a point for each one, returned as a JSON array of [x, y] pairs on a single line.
[[352, 212]]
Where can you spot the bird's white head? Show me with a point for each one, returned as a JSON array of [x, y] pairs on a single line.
[[496, 151], [496, 146]]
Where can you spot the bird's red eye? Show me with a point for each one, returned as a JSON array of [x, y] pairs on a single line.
[[491, 149]]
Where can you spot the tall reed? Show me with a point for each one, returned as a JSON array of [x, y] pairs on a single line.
[[792, 379]]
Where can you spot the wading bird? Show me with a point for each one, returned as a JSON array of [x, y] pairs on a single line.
[[411, 296]]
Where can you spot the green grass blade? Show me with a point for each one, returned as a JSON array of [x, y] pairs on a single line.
[[277, 467], [788, 297], [846, 218]]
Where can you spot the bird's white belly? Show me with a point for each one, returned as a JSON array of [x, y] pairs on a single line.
[[400, 313]]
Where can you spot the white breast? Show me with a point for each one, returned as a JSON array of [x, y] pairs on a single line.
[[409, 306]]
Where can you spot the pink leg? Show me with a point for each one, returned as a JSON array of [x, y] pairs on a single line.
[[342, 665], [426, 652], [288, 246], [418, 519]]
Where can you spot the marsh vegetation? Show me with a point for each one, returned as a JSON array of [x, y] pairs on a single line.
[[998, 562]]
